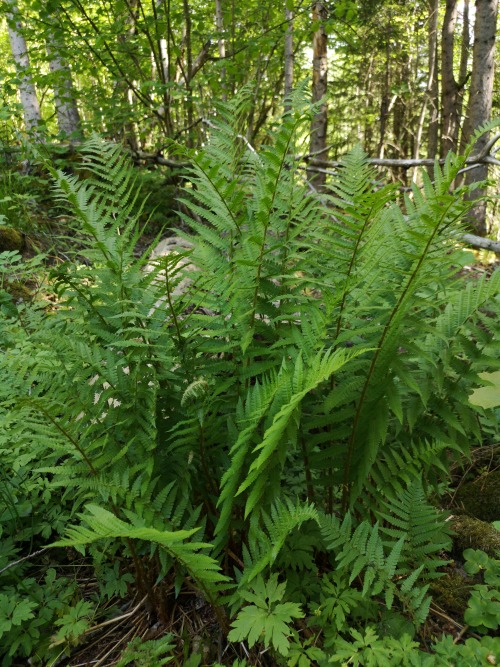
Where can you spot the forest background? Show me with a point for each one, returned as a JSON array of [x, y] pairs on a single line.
[[403, 80], [276, 442]]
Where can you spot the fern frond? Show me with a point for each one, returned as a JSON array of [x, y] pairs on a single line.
[[102, 524], [422, 527], [268, 535]]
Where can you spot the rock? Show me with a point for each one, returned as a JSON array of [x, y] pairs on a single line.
[[481, 498], [474, 534], [11, 239], [170, 248]]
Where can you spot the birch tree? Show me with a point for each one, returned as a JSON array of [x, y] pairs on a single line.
[[221, 45], [27, 91], [288, 53], [318, 146], [481, 97], [68, 117]]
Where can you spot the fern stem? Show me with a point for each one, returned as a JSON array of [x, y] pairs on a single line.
[[209, 481], [307, 469], [264, 238], [69, 437], [349, 271], [337, 331], [142, 580], [346, 486]]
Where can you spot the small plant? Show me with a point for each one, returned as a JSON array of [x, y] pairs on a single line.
[[150, 653], [268, 619], [483, 611]]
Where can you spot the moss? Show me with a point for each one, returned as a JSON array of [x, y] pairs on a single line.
[[18, 290], [452, 592], [11, 239], [474, 534], [481, 498]]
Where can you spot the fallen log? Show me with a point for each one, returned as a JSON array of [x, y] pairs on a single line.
[[481, 243]]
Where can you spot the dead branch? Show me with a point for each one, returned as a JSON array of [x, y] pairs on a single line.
[[481, 243]]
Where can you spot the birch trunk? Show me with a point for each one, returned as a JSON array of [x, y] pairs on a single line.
[[481, 97], [429, 98], [188, 72], [68, 118], [318, 147], [288, 56], [27, 92], [219, 24], [384, 102], [123, 89], [433, 134]]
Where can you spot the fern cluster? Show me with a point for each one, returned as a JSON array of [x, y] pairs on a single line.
[[308, 385]]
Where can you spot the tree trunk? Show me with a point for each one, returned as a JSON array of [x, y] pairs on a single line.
[[221, 44], [384, 102], [288, 56], [122, 87], [188, 72], [68, 118], [450, 91], [481, 97], [464, 60], [319, 123], [429, 98], [27, 92], [432, 141]]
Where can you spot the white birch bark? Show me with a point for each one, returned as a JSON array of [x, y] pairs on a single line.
[[428, 97], [481, 96], [318, 147], [27, 91], [68, 118], [219, 23], [288, 56]]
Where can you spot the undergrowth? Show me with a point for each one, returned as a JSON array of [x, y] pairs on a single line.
[[273, 437]]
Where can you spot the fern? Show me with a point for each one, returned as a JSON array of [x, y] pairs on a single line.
[[102, 524], [267, 538], [318, 351], [420, 525], [362, 551]]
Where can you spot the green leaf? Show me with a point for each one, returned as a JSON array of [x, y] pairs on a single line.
[[487, 397], [269, 621], [13, 612]]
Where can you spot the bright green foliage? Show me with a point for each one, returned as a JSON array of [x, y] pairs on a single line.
[[102, 524], [483, 611], [266, 541], [369, 650], [312, 371], [338, 599], [14, 612], [267, 619], [489, 396], [473, 652], [361, 552], [74, 623], [147, 653], [421, 525]]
